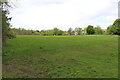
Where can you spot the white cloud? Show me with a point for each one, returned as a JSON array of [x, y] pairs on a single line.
[[47, 14]]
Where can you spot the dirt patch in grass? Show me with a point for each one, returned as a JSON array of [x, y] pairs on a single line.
[[25, 70], [12, 61], [19, 69]]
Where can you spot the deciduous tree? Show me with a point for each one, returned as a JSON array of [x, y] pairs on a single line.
[[90, 29]]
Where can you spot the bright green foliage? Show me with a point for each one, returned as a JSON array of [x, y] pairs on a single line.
[[90, 29], [61, 57], [49, 32], [46, 32], [55, 31], [98, 30]]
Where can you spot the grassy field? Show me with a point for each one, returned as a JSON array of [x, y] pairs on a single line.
[[61, 57]]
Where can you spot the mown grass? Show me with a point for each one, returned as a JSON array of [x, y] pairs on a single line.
[[61, 57]]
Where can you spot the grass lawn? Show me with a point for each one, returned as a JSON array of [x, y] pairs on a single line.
[[61, 57]]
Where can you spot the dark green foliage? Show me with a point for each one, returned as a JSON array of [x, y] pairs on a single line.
[[90, 30], [6, 31], [111, 30], [115, 28], [116, 25], [11, 34]]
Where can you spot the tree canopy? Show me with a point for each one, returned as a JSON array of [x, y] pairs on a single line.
[[98, 30], [115, 28], [90, 29]]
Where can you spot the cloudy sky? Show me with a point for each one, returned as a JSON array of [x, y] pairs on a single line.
[[63, 14]]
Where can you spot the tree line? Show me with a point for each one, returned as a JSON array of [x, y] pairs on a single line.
[[89, 30]]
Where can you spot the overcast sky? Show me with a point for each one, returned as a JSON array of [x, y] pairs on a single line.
[[63, 14]]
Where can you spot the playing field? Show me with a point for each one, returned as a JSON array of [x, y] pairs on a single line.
[[61, 57]]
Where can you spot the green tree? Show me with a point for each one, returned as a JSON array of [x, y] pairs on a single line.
[[98, 30], [90, 29], [116, 26], [49, 32], [6, 31], [55, 31], [110, 30]]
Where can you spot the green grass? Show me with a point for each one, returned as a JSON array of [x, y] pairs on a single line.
[[61, 57]]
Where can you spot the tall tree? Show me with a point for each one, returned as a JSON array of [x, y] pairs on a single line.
[[55, 31], [90, 29], [6, 31]]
